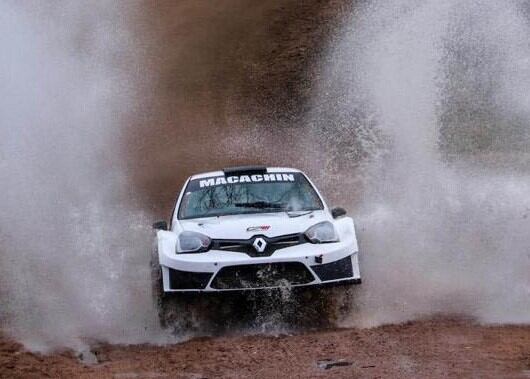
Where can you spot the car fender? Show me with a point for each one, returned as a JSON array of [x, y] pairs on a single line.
[[166, 243], [346, 230]]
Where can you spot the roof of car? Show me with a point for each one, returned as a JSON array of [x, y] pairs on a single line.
[[241, 170]]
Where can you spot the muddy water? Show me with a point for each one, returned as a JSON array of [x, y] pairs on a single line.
[[224, 85]]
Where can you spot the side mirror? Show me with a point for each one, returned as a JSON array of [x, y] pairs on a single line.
[[338, 212], [160, 225]]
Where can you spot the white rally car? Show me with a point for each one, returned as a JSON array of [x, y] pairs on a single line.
[[254, 228]]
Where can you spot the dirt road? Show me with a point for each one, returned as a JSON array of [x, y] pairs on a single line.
[[424, 349]]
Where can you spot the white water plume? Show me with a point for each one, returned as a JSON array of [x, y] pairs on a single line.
[[68, 272], [441, 236]]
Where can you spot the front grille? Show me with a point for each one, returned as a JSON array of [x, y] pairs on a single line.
[[186, 280], [335, 270], [246, 247], [262, 275]]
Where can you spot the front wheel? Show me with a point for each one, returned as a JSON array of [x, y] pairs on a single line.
[[157, 286], [183, 313], [172, 308]]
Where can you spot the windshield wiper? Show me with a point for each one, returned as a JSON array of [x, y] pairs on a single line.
[[261, 205], [293, 214]]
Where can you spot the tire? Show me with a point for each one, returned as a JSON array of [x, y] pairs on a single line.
[[181, 313], [170, 309], [324, 307], [157, 286]]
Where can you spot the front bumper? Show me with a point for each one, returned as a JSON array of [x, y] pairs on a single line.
[[297, 266]]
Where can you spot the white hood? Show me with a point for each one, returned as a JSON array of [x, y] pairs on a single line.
[[273, 224]]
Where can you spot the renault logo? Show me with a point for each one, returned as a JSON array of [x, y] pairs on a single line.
[[259, 244]]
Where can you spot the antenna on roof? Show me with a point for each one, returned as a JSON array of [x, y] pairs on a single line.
[[244, 170]]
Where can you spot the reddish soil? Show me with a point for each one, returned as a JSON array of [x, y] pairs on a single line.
[[422, 349]]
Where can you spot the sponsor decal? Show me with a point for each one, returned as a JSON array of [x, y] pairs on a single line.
[[258, 228], [257, 178]]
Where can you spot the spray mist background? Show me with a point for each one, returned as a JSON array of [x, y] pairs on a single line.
[[443, 210], [74, 257], [420, 121]]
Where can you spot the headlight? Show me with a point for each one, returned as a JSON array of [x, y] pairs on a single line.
[[192, 242], [322, 232]]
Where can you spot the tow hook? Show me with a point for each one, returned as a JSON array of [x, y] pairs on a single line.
[[319, 259]]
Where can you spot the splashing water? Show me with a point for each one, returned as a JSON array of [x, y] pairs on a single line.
[[443, 224], [66, 268]]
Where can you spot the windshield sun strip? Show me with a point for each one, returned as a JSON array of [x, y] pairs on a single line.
[[256, 210]]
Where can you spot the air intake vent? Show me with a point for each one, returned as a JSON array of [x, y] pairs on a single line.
[[186, 280], [335, 270], [262, 276]]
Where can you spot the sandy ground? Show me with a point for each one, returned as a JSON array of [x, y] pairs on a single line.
[[439, 348]]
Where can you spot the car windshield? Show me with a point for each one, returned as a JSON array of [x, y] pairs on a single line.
[[242, 194]]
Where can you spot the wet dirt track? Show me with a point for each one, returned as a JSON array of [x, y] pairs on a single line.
[[442, 348]]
